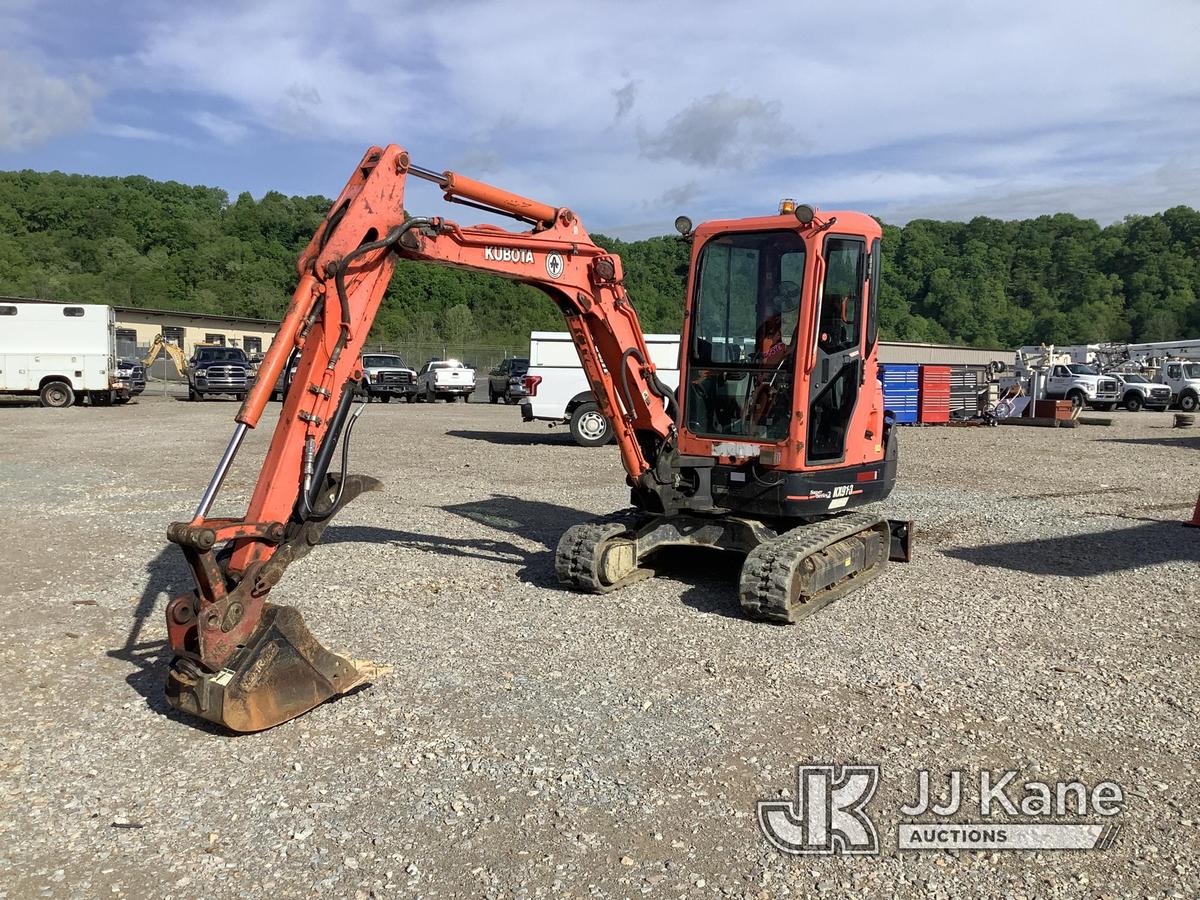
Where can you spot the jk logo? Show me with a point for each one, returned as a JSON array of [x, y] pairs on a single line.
[[828, 815]]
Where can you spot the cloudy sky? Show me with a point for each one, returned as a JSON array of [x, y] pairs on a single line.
[[630, 113]]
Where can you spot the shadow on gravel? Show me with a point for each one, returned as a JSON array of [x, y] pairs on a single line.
[[1083, 555], [150, 658], [519, 438], [529, 519], [711, 576], [1191, 442]]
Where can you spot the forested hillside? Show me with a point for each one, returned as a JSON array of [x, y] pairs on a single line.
[[137, 242]]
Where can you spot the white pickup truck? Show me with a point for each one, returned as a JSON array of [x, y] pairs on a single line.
[[1083, 385], [445, 379], [558, 390], [1137, 392]]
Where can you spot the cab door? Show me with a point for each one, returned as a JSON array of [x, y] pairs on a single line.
[[837, 372], [1174, 378], [1056, 381]]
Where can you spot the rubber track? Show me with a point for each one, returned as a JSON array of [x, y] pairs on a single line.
[[577, 557], [768, 574]]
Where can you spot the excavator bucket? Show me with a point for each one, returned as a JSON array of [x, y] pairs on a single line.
[[278, 670], [282, 672]]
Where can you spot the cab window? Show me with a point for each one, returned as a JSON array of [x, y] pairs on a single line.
[[841, 304]]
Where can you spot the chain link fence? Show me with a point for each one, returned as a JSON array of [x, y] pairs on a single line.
[[480, 357], [162, 375]]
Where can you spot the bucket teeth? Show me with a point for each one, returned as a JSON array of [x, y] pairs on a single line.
[[281, 672], [278, 670]]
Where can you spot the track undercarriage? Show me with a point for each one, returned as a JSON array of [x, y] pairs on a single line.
[[787, 576]]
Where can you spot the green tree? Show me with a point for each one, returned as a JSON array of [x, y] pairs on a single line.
[[138, 242]]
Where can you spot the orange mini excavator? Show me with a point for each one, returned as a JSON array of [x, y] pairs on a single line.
[[777, 437]]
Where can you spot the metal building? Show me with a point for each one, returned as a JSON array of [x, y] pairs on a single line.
[[902, 352]]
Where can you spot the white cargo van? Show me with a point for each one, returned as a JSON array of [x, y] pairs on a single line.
[[558, 390], [60, 352]]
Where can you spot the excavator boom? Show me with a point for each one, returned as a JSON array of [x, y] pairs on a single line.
[[248, 664], [162, 346]]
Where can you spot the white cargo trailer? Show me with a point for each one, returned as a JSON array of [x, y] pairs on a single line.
[[559, 391], [62, 353]]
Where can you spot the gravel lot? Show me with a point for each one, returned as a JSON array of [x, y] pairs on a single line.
[[535, 742]]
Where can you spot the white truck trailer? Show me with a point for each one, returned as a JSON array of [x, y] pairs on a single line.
[[62, 353], [558, 390]]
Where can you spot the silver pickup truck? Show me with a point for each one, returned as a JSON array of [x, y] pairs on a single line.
[[386, 376]]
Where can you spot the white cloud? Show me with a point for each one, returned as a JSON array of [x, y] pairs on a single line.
[[1175, 183], [293, 66], [36, 106], [134, 133], [625, 96], [719, 129], [225, 130], [627, 113]]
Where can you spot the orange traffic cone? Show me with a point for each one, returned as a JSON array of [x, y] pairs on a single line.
[[1195, 523]]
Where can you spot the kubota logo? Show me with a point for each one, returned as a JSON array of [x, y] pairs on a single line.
[[508, 254]]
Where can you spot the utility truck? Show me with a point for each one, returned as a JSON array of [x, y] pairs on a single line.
[[557, 389], [1062, 373], [1173, 364], [60, 353], [1183, 378]]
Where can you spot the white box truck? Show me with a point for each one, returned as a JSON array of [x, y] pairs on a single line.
[[63, 353], [558, 390]]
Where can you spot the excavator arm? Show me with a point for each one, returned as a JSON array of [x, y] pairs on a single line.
[[249, 664], [160, 346]]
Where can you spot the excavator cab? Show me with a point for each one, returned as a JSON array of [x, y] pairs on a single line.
[[782, 433], [775, 438], [780, 397]]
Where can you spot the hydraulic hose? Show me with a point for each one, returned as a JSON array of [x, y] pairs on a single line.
[[306, 505], [653, 382], [339, 276]]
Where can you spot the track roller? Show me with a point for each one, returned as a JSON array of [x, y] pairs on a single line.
[[599, 557], [807, 568]]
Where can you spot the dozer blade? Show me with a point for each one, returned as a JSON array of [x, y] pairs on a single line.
[[282, 672]]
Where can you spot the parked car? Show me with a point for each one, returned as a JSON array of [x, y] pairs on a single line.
[[284, 381], [445, 379], [386, 376], [133, 373], [507, 381], [219, 370], [1138, 391]]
